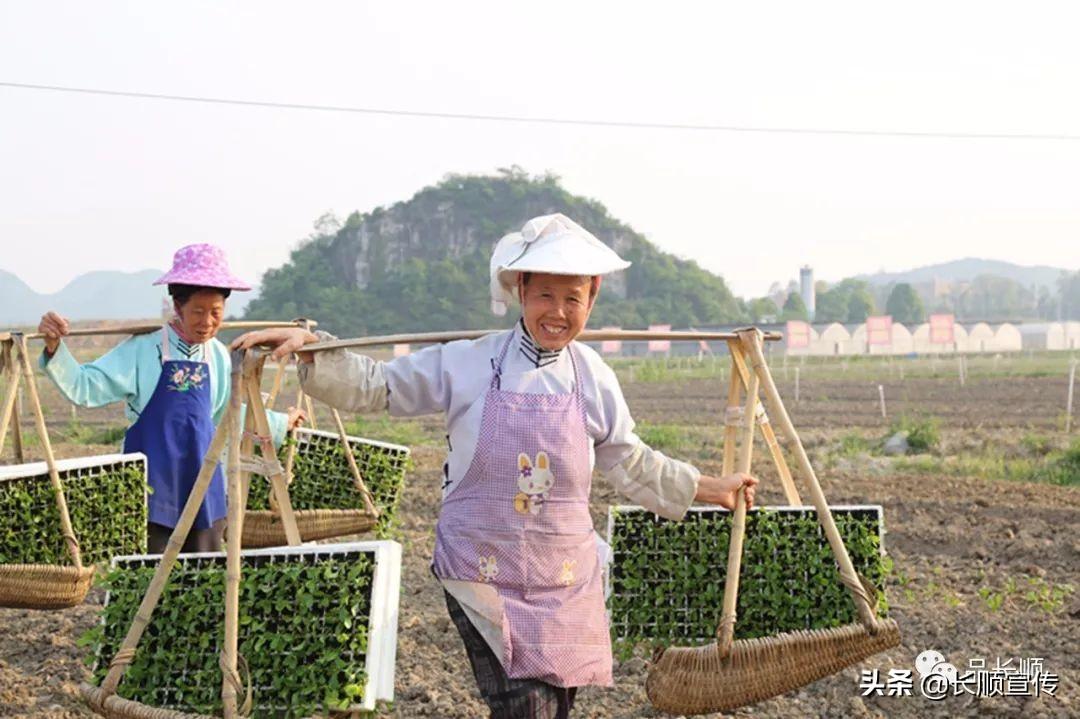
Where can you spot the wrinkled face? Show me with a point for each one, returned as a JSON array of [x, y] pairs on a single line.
[[200, 317], [556, 307]]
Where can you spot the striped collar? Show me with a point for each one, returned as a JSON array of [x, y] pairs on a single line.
[[188, 349], [534, 353]]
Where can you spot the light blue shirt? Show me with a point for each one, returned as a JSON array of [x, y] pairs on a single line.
[[130, 371]]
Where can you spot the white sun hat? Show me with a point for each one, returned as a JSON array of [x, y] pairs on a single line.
[[552, 244]]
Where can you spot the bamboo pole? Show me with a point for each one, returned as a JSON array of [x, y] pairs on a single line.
[[235, 519], [310, 408], [12, 388], [1068, 403], [791, 493], [358, 479], [312, 419], [776, 407], [881, 396], [586, 336], [247, 446], [143, 328], [290, 452], [726, 631], [253, 363], [730, 430], [278, 378], [179, 534], [16, 427], [50, 460]]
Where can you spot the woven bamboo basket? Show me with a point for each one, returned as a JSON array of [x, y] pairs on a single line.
[[696, 680], [40, 586], [115, 707], [264, 528], [730, 673], [43, 586]]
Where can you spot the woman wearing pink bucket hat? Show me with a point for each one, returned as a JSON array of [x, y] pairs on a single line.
[[175, 385]]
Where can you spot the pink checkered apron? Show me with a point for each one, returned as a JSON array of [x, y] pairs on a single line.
[[520, 521]]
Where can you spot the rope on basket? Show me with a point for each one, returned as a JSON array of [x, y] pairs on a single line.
[[733, 416], [241, 686]]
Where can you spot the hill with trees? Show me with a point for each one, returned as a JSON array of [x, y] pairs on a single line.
[[422, 264]]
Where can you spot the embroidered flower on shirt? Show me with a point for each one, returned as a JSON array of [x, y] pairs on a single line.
[[184, 379]]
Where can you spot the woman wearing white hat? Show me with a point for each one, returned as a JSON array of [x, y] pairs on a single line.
[[530, 413], [175, 386]]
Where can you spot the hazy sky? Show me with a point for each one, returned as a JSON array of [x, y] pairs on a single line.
[[91, 182]]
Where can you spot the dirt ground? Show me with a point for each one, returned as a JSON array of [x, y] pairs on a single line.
[[949, 538]]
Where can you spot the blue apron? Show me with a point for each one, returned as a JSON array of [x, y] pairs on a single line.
[[174, 431]]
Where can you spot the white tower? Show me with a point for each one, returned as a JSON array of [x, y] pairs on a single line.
[[806, 285]]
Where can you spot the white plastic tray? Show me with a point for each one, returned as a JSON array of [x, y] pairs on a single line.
[[381, 653], [33, 469]]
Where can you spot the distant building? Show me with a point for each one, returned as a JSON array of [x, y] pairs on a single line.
[[806, 285]]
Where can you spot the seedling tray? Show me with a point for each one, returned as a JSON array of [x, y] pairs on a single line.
[[106, 498], [318, 628], [666, 581]]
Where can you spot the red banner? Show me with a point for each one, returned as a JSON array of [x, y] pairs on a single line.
[[610, 347], [879, 330], [798, 335], [941, 329], [659, 345]]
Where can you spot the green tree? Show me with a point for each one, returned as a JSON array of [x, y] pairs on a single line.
[[860, 304], [794, 308], [1047, 304], [831, 306], [989, 297], [850, 300], [1069, 295], [762, 309], [904, 305]]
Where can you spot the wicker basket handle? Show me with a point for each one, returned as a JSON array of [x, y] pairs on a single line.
[[738, 365], [725, 633], [751, 341], [358, 479], [8, 368], [50, 460], [253, 362]]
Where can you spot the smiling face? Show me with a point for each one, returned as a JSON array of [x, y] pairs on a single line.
[[556, 307], [201, 315]]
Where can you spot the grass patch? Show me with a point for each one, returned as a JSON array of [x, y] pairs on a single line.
[[691, 443], [81, 433], [670, 369], [1035, 592], [1061, 468], [664, 437], [923, 433], [852, 445], [1037, 444], [386, 429]]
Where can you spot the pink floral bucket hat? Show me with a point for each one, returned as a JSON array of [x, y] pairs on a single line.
[[202, 265]]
